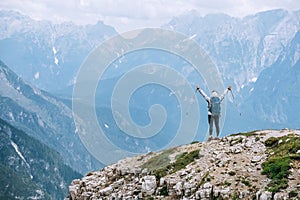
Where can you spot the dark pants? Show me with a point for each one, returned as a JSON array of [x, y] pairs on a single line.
[[213, 119]]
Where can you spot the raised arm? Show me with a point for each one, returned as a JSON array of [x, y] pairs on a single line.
[[224, 93], [203, 94]]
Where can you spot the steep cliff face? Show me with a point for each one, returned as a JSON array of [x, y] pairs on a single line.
[[255, 165], [30, 169], [44, 117]]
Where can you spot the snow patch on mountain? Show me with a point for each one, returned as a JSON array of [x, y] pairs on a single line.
[[37, 75], [15, 146]]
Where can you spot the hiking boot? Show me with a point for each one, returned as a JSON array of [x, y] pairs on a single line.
[[210, 138]]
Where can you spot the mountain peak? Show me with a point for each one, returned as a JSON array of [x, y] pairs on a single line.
[[245, 165]]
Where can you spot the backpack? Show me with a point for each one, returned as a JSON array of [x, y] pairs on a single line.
[[215, 105]]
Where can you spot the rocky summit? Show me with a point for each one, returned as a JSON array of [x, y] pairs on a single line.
[[255, 165]]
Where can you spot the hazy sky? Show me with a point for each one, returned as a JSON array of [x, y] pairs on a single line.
[[125, 15]]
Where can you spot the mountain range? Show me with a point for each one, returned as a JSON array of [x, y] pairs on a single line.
[[258, 55], [242, 48], [44, 117], [44, 53], [29, 168]]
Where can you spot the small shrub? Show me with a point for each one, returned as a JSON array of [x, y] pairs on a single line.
[[293, 193], [164, 191], [246, 182], [271, 142], [204, 179], [227, 183], [235, 196], [276, 185], [277, 168], [281, 155], [231, 173]]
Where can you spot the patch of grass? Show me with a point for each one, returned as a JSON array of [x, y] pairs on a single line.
[[160, 165], [236, 141], [184, 159], [277, 168], [281, 154], [247, 134], [205, 179], [235, 196], [164, 191], [290, 145], [271, 142], [227, 183], [293, 193], [158, 162], [246, 182], [161, 172]]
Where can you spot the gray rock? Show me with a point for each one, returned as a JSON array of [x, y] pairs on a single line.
[[149, 185], [281, 196], [248, 143], [207, 185], [205, 193], [178, 188], [86, 195], [236, 149], [161, 181], [106, 191], [73, 191], [256, 159], [224, 192], [265, 195]]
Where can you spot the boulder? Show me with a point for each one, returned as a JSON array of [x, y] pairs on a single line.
[[149, 185]]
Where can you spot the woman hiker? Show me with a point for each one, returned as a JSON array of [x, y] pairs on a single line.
[[214, 109]]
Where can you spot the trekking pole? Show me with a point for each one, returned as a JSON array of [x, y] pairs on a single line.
[[189, 108], [235, 102]]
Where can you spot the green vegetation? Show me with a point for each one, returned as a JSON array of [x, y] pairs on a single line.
[[205, 179], [282, 151], [235, 196], [160, 165], [184, 159], [247, 134], [293, 193], [14, 184], [164, 191], [47, 168], [246, 182], [231, 173], [227, 183]]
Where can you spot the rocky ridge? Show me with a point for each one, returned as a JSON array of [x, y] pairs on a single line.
[[234, 167]]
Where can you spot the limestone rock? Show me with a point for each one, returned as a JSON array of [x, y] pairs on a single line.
[[149, 185], [225, 169]]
